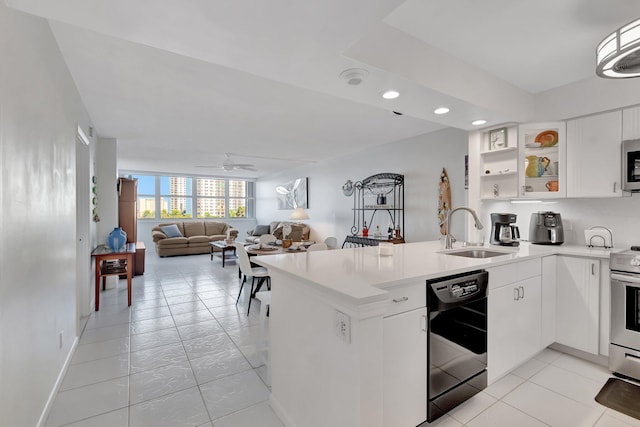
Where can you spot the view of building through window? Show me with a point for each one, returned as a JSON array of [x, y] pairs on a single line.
[[174, 197]]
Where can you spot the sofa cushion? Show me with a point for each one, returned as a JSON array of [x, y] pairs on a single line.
[[295, 235], [260, 230], [213, 228], [173, 241], [198, 239], [194, 228], [171, 230]]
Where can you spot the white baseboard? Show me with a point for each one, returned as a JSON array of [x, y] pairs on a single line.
[[280, 412], [56, 386]]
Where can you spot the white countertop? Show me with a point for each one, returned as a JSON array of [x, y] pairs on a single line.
[[361, 275]]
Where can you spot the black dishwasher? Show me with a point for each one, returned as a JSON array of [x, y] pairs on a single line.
[[457, 340]]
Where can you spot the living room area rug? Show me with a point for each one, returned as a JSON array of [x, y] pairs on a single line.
[[621, 396]]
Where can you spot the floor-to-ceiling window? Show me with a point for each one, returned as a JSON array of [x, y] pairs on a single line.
[[165, 196]]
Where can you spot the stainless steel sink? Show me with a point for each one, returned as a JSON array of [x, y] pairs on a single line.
[[477, 253]]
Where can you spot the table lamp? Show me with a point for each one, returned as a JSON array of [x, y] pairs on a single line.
[[299, 214]]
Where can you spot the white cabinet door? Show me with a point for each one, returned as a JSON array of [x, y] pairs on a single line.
[[578, 305], [593, 155], [514, 321], [542, 148], [405, 368]]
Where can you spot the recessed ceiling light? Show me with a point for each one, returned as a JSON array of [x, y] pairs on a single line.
[[441, 110], [478, 122], [391, 94]]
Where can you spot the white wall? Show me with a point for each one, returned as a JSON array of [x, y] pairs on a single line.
[[619, 215], [39, 113], [419, 159], [586, 97], [107, 176]]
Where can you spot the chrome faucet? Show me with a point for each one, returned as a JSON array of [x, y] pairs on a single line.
[[449, 239]]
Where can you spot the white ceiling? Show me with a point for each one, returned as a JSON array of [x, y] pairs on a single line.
[[181, 83]]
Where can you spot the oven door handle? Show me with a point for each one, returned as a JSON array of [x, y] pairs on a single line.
[[626, 278]]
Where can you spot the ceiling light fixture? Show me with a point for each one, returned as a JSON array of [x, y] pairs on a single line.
[[618, 55], [354, 76], [478, 122], [391, 94], [441, 110]]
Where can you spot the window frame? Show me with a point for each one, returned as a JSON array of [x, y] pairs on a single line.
[[250, 199]]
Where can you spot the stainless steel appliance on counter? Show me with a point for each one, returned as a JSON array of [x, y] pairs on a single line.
[[457, 340], [624, 350], [545, 228], [631, 165], [503, 230]]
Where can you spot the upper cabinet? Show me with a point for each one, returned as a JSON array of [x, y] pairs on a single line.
[[593, 155], [542, 149]]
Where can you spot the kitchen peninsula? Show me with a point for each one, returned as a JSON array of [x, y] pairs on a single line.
[[347, 339]]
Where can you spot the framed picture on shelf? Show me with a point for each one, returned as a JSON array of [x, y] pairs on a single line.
[[498, 139]]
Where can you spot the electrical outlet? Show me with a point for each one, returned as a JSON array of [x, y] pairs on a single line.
[[342, 326], [61, 338]]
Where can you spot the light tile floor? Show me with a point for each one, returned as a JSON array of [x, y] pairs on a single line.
[[185, 355]]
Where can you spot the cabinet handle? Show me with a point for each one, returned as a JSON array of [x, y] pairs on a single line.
[[516, 294], [423, 321], [593, 269], [615, 186], [522, 289], [403, 299]]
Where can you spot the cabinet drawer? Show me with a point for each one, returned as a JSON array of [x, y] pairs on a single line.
[[511, 273], [405, 298]]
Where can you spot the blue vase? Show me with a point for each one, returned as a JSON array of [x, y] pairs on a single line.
[[117, 239]]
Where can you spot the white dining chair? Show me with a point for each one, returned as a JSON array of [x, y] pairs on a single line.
[[266, 238], [331, 242], [317, 247], [248, 271]]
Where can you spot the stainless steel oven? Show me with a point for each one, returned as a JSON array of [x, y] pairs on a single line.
[[631, 165], [624, 350], [457, 340]]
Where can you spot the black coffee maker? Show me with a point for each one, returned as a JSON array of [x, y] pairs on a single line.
[[503, 232]]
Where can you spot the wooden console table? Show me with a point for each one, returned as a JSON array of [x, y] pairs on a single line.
[[109, 263]]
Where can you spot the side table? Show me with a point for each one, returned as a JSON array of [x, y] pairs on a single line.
[[222, 246], [109, 263]]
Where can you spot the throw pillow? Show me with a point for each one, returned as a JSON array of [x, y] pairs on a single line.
[[171, 230], [278, 232], [260, 230], [296, 233]]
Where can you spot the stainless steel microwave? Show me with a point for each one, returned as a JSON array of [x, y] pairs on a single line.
[[631, 165]]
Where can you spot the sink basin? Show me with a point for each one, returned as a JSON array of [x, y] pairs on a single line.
[[477, 253]]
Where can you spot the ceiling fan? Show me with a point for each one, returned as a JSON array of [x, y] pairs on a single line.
[[229, 165]]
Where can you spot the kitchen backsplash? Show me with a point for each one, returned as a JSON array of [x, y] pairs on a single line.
[[620, 215]]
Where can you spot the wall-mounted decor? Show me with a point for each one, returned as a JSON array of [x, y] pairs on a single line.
[[292, 194], [94, 200], [498, 139]]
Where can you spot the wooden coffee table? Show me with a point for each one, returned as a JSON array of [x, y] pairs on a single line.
[[223, 247]]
